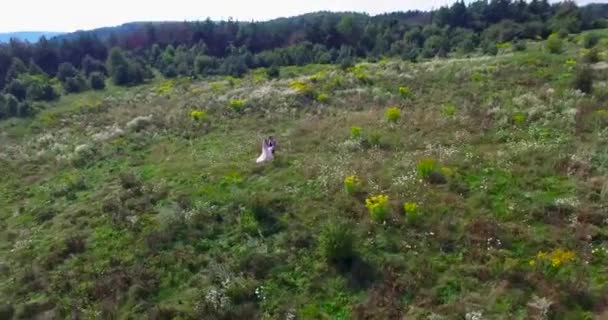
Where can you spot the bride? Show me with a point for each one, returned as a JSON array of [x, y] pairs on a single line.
[[268, 147]]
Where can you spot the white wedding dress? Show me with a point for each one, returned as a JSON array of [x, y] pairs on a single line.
[[266, 154]]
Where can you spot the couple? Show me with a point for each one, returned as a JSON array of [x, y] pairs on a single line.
[[268, 146]]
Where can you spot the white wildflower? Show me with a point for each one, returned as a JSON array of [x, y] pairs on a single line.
[[474, 315]]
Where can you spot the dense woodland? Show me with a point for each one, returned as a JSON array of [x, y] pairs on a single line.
[[129, 54]]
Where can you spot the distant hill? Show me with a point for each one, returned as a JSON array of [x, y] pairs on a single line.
[[30, 36]]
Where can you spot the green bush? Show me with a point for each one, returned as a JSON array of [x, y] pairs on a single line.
[[39, 88], [426, 167], [591, 39], [16, 88], [592, 55], [205, 65], [490, 48], [554, 43], [237, 105], [392, 114], [405, 92], [75, 84], [97, 81], [378, 207], [356, 132], [449, 110], [583, 79], [519, 45], [336, 243], [273, 72], [125, 70], [11, 105], [24, 109], [412, 212], [66, 70]]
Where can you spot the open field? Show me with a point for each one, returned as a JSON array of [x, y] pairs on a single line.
[[130, 203]]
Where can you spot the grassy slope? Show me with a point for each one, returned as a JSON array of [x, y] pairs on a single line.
[[177, 220]]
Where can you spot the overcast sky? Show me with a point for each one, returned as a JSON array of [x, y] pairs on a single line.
[[72, 15]]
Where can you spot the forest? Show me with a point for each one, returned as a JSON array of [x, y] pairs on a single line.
[[131, 54]]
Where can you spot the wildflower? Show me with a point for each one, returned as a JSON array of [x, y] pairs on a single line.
[[410, 207], [198, 115], [392, 114], [378, 207], [322, 97], [355, 132], [448, 172], [237, 105], [405, 92], [532, 263], [411, 211], [570, 62], [302, 88], [351, 184], [556, 258], [560, 257]]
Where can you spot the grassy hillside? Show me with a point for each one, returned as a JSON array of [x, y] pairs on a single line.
[[147, 202]]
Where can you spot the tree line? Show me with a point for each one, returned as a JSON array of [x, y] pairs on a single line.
[[128, 54]]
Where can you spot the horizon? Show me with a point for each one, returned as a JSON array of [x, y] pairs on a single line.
[[42, 21]]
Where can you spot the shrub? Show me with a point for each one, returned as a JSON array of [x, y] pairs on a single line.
[[273, 72], [583, 79], [204, 64], [519, 118], [405, 92], [351, 184], [336, 243], [447, 171], [477, 77], [39, 89], [75, 84], [16, 88], [355, 132], [570, 63], [374, 139], [347, 63], [392, 114], [591, 39], [490, 48], [97, 81], [302, 88], [519, 45], [11, 104], [554, 43], [198, 115], [249, 223], [237, 105], [378, 207], [411, 212], [66, 70], [426, 167], [592, 55], [24, 109], [448, 110], [125, 70], [322, 97], [166, 87]]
